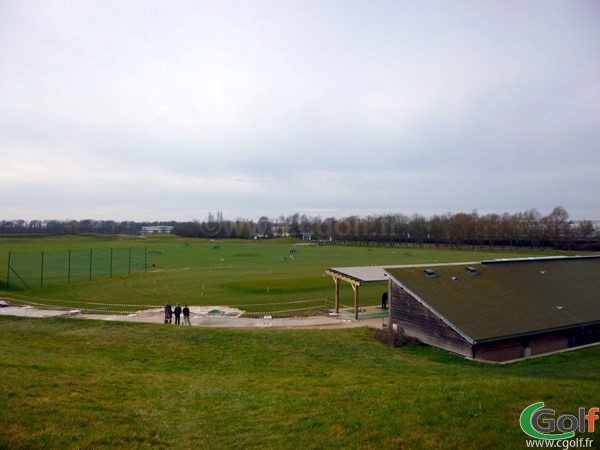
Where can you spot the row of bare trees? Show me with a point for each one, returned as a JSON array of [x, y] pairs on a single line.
[[73, 227], [459, 230]]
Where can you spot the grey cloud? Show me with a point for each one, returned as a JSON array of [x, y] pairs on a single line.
[[269, 108]]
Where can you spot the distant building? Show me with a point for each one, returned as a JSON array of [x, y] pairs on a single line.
[[157, 229]]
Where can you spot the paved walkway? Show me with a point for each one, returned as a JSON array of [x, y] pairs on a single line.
[[28, 311], [344, 320]]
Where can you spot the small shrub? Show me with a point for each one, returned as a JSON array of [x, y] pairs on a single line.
[[394, 337]]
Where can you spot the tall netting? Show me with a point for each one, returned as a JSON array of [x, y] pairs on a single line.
[[27, 270]]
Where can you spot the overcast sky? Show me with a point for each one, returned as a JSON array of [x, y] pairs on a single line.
[[166, 110]]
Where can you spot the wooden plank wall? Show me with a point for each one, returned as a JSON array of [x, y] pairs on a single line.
[[515, 348], [504, 350], [418, 321], [549, 342]]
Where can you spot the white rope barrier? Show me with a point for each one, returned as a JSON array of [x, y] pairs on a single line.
[[323, 302]]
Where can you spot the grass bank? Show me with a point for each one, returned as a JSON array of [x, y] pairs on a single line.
[[70, 383]]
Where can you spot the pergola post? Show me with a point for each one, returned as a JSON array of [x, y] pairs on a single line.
[[355, 289], [389, 305], [337, 294], [354, 282]]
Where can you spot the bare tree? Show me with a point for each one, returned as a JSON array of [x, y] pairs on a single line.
[[585, 229], [492, 222], [438, 229], [532, 227], [418, 229], [401, 226], [557, 224], [459, 229], [264, 226]]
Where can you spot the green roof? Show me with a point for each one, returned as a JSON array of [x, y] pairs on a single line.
[[509, 297]]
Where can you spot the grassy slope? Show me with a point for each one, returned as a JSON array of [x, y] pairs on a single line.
[[70, 383], [236, 273]]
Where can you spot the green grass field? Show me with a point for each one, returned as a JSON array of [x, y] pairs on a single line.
[[248, 274], [70, 383]]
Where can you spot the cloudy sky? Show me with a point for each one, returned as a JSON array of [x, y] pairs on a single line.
[[166, 110]]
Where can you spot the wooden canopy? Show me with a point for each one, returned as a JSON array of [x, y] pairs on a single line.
[[356, 276]]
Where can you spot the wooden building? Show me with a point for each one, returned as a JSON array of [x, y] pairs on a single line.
[[499, 310]]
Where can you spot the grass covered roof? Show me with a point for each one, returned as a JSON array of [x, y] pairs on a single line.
[[497, 299]]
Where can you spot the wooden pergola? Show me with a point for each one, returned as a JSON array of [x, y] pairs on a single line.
[[356, 276]]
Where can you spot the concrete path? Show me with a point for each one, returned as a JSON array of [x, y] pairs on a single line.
[[344, 320], [28, 311]]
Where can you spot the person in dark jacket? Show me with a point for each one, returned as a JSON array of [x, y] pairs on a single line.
[[168, 312], [186, 315], [177, 314]]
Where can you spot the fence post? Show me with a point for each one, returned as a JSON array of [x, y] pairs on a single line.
[[42, 272], [8, 274]]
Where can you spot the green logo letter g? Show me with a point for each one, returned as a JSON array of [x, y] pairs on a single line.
[[530, 426]]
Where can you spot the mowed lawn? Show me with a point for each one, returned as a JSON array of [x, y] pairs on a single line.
[[253, 275], [71, 383]]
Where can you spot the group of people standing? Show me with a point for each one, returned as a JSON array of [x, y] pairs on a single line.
[[170, 312]]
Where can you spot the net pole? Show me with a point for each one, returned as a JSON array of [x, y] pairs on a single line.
[[42, 272], [8, 274], [129, 268], [110, 266], [145, 259], [69, 269], [91, 250]]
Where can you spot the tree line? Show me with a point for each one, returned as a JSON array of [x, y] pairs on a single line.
[[458, 230], [74, 227]]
